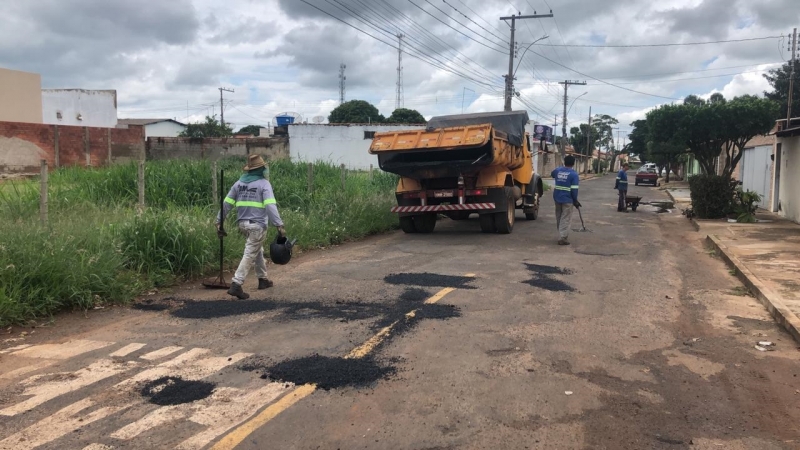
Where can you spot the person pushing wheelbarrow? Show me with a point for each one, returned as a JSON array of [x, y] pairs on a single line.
[[622, 187]]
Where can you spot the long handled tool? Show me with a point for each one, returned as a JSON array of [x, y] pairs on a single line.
[[583, 227], [219, 282]]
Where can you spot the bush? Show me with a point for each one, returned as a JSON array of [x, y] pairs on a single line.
[[746, 205], [712, 196]]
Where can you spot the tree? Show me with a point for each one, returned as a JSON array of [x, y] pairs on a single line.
[[779, 80], [250, 129], [405, 115], [745, 117], [665, 141], [210, 128], [638, 138], [355, 111]]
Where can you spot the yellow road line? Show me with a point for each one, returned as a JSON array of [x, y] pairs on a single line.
[[237, 436]]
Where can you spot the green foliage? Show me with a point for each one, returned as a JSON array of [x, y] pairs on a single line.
[[98, 249], [356, 111], [779, 80], [711, 195], [746, 205], [210, 128], [405, 115], [250, 129]]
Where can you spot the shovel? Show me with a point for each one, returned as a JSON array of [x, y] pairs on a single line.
[[583, 227], [219, 282]]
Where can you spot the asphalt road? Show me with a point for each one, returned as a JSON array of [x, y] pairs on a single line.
[[633, 337]]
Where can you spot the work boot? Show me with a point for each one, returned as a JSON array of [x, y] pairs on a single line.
[[236, 291], [563, 242], [264, 283]]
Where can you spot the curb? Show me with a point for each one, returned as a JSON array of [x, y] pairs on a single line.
[[765, 295]]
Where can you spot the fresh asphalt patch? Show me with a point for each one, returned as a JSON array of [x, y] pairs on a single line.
[[324, 371], [430, 280], [168, 390], [543, 278]]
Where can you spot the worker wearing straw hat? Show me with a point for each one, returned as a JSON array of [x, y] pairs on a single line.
[[255, 206]]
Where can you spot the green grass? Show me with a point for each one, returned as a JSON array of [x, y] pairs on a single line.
[[98, 249]]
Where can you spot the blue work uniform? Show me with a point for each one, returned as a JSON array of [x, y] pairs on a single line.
[[622, 186], [566, 188]]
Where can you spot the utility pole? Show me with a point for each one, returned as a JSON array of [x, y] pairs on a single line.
[[563, 147], [399, 101], [342, 80], [511, 51], [221, 109], [589, 152], [791, 78]]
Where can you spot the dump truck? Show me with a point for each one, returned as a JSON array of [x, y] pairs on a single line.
[[461, 165]]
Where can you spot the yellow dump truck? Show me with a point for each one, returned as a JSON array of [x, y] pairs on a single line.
[[461, 165]]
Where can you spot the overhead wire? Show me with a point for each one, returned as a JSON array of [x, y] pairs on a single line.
[[672, 44], [453, 28]]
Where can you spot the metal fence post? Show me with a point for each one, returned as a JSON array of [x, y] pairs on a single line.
[[370, 172], [43, 194], [141, 186], [343, 176]]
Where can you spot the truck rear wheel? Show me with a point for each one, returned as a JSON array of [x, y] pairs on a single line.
[[407, 224], [487, 223], [504, 221], [425, 223]]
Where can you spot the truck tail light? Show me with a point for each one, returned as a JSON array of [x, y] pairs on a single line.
[[474, 192], [418, 194]]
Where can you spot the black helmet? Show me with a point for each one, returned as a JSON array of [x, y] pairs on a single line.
[[280, 251]]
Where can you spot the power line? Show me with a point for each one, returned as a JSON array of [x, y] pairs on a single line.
[[453, 28], [471, 20], [673, 44], [454, 20]]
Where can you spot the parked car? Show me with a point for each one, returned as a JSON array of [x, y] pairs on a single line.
[[646, 175]]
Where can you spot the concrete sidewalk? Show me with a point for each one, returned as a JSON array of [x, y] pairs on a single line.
[[766, 257], [678, 191]]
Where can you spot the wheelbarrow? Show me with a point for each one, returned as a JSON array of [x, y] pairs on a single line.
[[632, 202]]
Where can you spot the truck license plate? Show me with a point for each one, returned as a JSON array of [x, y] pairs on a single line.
[[443, 194]]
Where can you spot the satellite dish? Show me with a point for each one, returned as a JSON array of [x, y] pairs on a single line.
[[318, 119]]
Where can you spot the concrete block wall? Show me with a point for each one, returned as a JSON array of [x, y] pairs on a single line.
[[162, 148]]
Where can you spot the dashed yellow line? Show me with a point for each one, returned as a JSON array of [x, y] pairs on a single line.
[[237, 436]]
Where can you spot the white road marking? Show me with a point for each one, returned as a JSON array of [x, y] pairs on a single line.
[[13, 349], [160, 353], [160, 416], [98, 447], [57, 425], [32, 367], [46, 391], [220, 417], [65, 350], [128, 349], [189, 370]]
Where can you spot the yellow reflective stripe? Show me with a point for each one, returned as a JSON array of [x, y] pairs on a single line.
[[270, 201], [250, 204], [230, 200]]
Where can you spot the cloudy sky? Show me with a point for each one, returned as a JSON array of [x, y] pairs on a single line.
[[167, 58]]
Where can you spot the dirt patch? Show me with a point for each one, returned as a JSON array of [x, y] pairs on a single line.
[[324, 371], [158, 305], [176, 391], [543, 278], [430, 280]]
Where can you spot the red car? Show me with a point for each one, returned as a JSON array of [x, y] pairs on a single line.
[[646, 175]]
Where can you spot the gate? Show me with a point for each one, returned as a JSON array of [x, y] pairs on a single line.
[[756, 172]]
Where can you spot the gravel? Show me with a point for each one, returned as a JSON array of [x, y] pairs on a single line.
[[176, 391]]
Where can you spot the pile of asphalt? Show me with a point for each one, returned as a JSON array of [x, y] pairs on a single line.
[[212, 309], [430, 280], [324, 371], [543, 278], [169, 390]]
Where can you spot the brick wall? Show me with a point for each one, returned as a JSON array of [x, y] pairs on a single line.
[[160, 148], [24, 145]]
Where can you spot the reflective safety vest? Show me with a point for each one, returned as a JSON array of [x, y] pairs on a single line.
[[622, 180], [253, 201], [566, 185]]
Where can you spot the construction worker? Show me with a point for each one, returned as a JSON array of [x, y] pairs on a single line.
[[255, 204], [565, 194], [622, 187]]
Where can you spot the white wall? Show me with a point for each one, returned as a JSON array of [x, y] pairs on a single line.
[[338, 144], [96, 108], [789, 191], [163, 129]]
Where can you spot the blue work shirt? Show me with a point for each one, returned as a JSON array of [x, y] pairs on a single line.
[[622, 180], [566, 188]]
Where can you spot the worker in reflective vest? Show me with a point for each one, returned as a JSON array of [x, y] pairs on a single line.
[[622, 186], [255, 204], [565, 195]]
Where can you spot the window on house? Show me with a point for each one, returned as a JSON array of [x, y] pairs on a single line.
[[369, 135], [58, 114]]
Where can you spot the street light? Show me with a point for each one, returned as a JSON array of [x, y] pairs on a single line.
[[526, 51], [573, 101]]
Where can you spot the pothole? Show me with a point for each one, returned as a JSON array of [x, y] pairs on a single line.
[[171, 390]]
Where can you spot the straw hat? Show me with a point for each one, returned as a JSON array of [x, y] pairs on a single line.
[[254, 162]]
